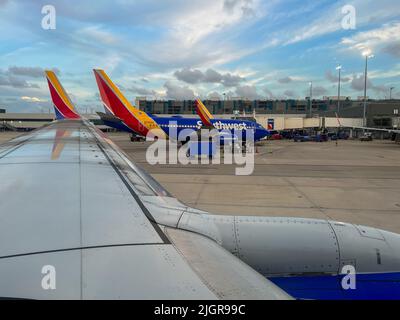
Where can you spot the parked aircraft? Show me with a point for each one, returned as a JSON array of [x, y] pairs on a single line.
[[123, 111]]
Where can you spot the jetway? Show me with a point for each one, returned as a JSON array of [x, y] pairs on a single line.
[[289, 122]]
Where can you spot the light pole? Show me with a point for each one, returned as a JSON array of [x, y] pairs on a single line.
[[223, 104], [390, 93], [367, 54], [310, 83], [339, 68]]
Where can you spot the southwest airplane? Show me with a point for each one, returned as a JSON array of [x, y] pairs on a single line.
[[122, 115], [102, 228]]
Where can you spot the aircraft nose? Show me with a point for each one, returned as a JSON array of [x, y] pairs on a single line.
[[262, 131]]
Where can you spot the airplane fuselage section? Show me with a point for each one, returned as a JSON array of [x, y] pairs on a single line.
[[179, 123]]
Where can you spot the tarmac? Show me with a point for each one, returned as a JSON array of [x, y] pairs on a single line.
[[353, 181]]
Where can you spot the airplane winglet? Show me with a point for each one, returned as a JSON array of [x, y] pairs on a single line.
[[63, 106], [203, 113]]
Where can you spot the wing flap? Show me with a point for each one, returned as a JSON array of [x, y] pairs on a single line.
[[225, 275]]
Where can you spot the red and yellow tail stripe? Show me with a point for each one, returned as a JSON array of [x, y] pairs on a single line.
[[63, 105], [115, 101], [203, 113]]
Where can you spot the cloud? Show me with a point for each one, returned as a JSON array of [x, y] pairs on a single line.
[[385, 39], [213, 76], [31, 99], [142, 91], [247, 92], [329, 20], [290, 93], [245, 6], [16, 82], [190, 76], [174, 91], [210, 17], [27, 106], [97, 34], [15, 76], [214, 96], [392, 49], [200, 33], [335, 78], [229, 80], [205, 33], [193, 76], [393, 72], [358, 83], [317, 91], [229, 5], [199, 39], [285, 80], [268, 92], [33, 72], [190, 33], [380, 89]]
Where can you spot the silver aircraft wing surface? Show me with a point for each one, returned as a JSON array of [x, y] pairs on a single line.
[[375, 129], [367, 128], [78, 220]]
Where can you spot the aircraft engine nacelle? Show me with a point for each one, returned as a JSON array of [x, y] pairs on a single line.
[[297, 246], [290, 246]]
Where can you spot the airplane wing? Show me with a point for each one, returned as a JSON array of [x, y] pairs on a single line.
[[114, 122], [78, 220], [366, 128], [375, 129]]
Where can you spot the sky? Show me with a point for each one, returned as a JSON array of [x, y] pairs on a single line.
[[179, 49]]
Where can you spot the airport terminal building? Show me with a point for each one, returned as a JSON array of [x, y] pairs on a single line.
[[239, 105], [289, 106], [379, 113]]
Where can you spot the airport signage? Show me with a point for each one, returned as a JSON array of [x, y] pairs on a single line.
[[270, 124]]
